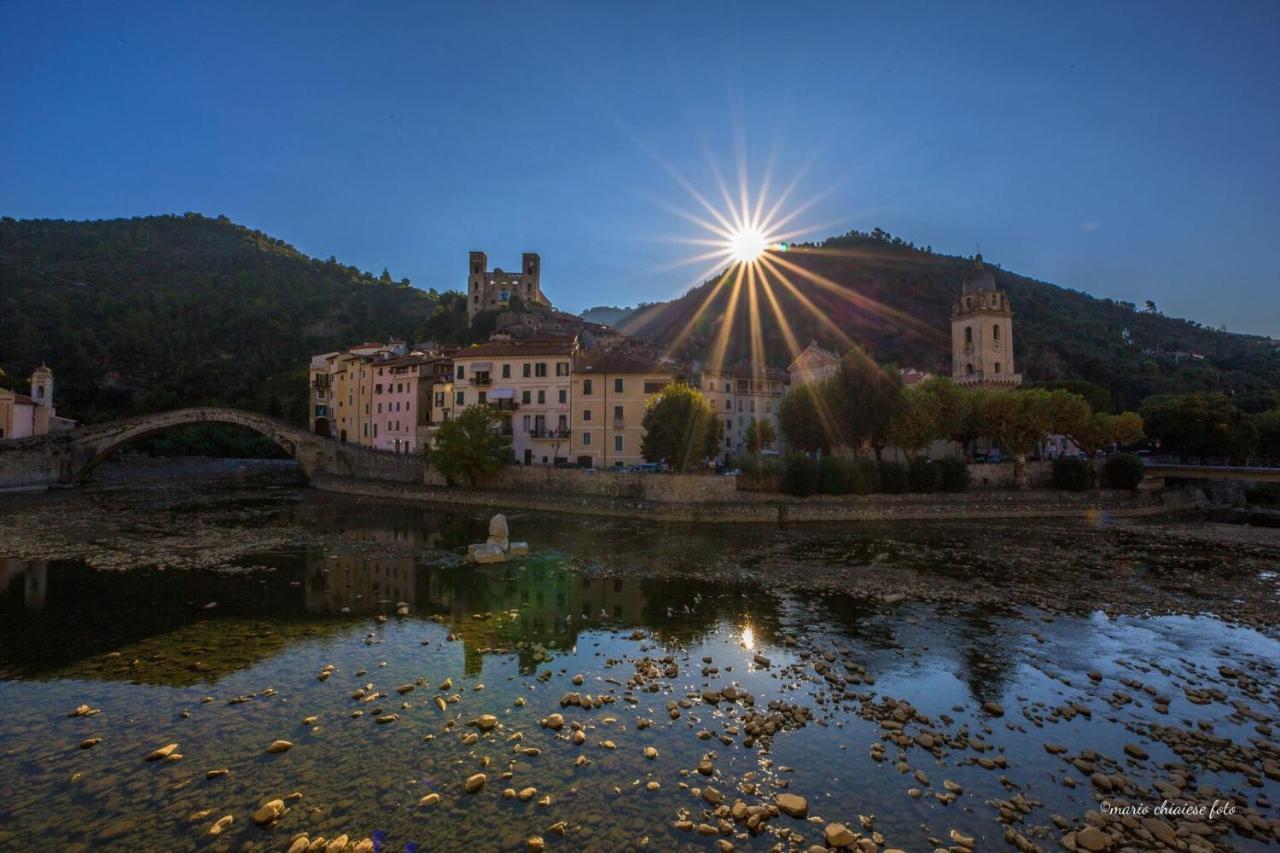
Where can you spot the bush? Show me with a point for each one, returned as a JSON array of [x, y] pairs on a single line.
[[922, 475], [892, 477], [757, 465], [1124, 471], [953, 475], [862, 476], [1072, 475], [833, 476], [801, 475]]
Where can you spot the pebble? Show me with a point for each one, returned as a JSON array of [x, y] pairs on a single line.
[[792, 804], [269, 812], [163, 752], [279, 746], [474, 783]]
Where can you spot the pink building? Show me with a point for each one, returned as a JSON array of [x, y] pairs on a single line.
[[401, 403], [23, 416]]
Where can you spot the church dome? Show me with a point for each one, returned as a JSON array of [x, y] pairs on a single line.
[[978, 278]]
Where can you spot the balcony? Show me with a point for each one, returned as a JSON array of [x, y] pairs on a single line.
[[619, 423], [555, 432], [481, 379], [503, 405]]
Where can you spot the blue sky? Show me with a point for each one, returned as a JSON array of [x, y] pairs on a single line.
[[1129, 150]]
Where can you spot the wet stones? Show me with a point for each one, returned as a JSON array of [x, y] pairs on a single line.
[[83, 711], [838, 835], [278, 746], [474, 783], [163, 753], [216, 773], [995, 709], [429, 800], [221, 825], [555, 722], [792, 805], [269, 812], [90, 743]]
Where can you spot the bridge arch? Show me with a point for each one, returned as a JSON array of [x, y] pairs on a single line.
[[94, 445]]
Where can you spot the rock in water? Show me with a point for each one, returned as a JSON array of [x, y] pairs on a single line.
[[279, 746], [838, 835], [474, 783], [163, 752], [269, 812], [791, 804]]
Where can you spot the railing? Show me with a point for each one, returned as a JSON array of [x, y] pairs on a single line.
[[619, 423], [1171, 460], [561, 432], [503, 405], [481, 380]]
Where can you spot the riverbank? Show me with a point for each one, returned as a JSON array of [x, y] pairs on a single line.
[[759, 508]]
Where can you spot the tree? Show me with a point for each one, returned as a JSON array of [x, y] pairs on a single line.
[[807, 416], [470, 445], [680, 428], [1018, 420], [954, 411], [869, 400], [916, 421], [1199, 424], [1098, 398], [1268, 426], [1103, 430], [760, 435]]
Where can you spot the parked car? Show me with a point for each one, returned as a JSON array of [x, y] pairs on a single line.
[[644, 468]]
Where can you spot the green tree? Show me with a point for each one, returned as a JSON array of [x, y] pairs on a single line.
[[470, 445], [1098, 398], [680, 428], [955, 406], [1018, 420], [807, 416], [1268, 427], [760, 435], [1199, 424], [869, 400], [916, 421]]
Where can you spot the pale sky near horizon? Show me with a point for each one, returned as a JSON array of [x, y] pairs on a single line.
[[1127, 150]]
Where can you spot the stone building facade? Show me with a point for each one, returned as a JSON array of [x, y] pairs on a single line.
[[610, 392]]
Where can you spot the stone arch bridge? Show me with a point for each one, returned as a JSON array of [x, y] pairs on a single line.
[[68, 458]]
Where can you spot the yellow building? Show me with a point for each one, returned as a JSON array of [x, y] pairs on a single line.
[[610, 391], [527, 380]]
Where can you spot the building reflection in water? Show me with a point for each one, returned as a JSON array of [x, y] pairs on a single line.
[[359, 583], [34, 575]]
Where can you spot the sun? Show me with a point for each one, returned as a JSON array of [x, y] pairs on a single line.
[[747, 244]]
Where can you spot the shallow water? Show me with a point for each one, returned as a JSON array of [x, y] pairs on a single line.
[[223, 659]]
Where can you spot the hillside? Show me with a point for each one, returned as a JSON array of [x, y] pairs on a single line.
[[1058, 333], [146, 314]]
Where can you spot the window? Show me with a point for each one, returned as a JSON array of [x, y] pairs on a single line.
[[506, 371], [459, 398], [617, 443], [995, 333], [526, 421], [997, 367], [542, 396], [654, 387], [617, 385], [586, 387], [379, 408], [562, 368], [968, 335], [617, 413], [968, 369], [526, 397], [586, 439], [377, 389], [399, 387], [482, 398], [375, 430], [459, 371], [525, 369], [728, 424], [739, 406], [586, 414], [728, 405], [540, 369], [564, 396]]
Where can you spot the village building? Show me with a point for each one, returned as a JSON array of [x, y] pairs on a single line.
[[610, 392], [528, 381], [24, 416], [401, 403], [813, 364]]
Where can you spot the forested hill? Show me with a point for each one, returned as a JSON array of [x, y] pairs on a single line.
[[146, 314], [895, 300]]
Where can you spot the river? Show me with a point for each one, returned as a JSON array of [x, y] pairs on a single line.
[[916, 685]]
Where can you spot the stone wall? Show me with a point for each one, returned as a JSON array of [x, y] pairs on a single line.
[[985, 475], [660, 488], [749, 508]]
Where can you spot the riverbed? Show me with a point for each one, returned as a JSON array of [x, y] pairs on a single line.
[[908, 685]]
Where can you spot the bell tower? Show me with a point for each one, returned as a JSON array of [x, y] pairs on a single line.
[[42, 386], [982, 333]]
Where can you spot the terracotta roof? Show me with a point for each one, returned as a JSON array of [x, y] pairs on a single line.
[[612, 361], [515, 349]]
